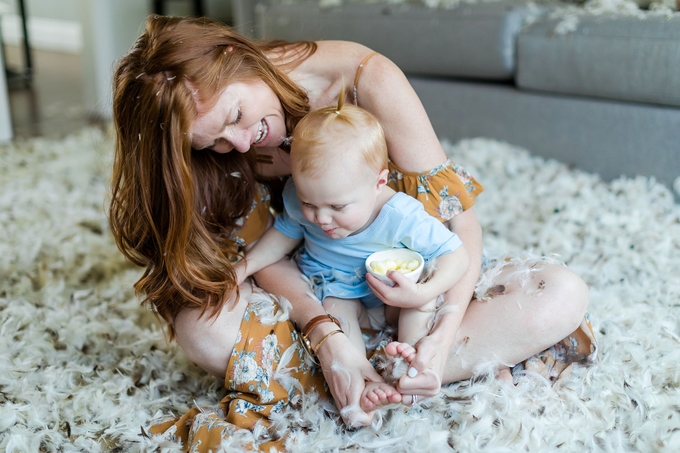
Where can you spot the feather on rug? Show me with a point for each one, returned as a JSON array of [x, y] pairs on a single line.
[[83, 367]]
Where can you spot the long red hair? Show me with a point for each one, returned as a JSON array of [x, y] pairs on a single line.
[[172, 208]]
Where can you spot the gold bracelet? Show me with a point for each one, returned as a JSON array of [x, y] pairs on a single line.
[[329, 334], [310, 326]]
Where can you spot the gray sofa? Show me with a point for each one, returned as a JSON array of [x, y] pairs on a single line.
[[604, 97]]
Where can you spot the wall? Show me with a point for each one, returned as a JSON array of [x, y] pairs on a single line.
[[100, 30], [57, 25], [52, 25]]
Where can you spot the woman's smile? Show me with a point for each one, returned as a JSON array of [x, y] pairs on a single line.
[[262, 132]]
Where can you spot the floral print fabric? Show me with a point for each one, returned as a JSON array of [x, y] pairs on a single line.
[[253, 225], [556, 363], [266, 372], [444, 191]]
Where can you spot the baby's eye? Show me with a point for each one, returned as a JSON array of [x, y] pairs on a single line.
[[307, 205], [338, 207]]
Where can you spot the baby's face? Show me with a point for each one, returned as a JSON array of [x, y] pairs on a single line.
[[340, 201]]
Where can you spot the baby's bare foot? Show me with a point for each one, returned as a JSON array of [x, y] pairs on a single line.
[[403, 350], [377, 395], [399, 356]]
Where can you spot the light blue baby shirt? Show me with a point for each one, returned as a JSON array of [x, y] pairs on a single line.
[[336, 266]]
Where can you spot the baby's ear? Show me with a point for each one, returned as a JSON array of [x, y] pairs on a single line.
[[382, 178]]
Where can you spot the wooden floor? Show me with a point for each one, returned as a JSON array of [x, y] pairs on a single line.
[[53, 104]]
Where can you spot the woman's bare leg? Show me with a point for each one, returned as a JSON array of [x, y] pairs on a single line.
[[520, 322], [208, 341], [510, 326]]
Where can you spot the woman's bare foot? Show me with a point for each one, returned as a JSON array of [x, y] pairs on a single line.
[[377, 395], [505, 375]]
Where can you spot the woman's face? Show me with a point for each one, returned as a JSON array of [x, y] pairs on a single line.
[[246, 114]]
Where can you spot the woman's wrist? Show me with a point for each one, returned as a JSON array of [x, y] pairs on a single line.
[[326, 337], [327, 351], [446, 328], [321, 331], [314, 324]]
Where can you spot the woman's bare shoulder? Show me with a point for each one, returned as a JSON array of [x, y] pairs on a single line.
[[324, 72]]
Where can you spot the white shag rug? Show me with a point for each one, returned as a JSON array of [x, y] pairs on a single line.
[[83, 367]]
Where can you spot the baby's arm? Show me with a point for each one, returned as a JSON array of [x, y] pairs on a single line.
[[406, 294], [450, 268], [272, 247], [418, 302]]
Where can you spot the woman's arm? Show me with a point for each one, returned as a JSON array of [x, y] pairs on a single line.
[[433, 350], [344, 367], [413, 146], [384, 91], [272, 247]]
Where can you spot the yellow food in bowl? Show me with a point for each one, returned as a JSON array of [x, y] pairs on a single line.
[[382, 266]]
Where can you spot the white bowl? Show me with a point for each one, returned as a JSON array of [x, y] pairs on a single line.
[[396, 254]]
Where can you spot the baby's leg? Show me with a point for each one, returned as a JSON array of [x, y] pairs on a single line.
[[348, 311], [415, 323]]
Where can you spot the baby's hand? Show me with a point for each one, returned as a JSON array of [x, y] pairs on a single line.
[[404, 294]]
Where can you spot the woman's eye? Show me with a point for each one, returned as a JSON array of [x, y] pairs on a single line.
[[238, 116]]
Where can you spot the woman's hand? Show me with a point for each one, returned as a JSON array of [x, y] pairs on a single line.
[[344, 367], [346, 371], [424, 377]]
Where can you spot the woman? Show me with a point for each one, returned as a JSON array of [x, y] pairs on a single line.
[[202, 114]]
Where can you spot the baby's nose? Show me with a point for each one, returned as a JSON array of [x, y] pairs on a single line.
[[322, 218]]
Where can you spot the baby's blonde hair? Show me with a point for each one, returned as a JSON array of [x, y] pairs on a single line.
[[345, 131]]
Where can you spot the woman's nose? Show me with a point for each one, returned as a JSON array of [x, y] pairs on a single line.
[[242, 140]]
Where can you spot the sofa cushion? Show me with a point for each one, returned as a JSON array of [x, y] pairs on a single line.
[[470, 41], [622, 58], [606, 137]]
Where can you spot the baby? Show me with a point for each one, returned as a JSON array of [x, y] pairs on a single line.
[[338, 201]]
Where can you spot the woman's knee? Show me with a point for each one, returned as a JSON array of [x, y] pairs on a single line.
[[565, 295]]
